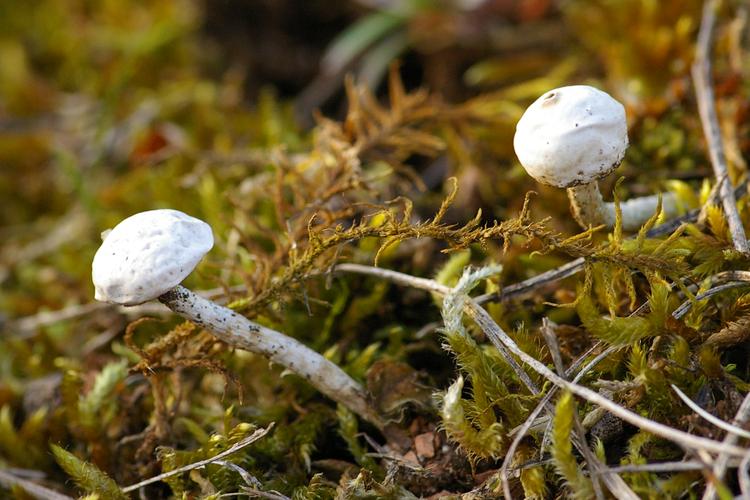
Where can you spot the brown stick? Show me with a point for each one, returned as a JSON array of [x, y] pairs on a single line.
[[704, 93]]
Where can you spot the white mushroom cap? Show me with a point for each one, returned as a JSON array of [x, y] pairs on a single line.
[[571, 136], [148, 254]]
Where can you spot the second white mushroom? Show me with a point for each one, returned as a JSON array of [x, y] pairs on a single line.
[[572, 136]]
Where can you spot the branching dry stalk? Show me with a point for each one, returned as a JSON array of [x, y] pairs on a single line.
[[704, 93], [493, 331], [520, 432], [684, 439], [685, 307], [532, 421], [592, 463], [442, 290]]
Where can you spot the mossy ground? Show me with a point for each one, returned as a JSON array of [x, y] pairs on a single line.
[[314, 133]]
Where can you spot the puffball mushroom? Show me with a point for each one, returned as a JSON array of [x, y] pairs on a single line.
[[572, 136], [147, 255]]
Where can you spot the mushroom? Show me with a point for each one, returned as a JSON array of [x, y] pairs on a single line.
[[147, 255], [572, 136]]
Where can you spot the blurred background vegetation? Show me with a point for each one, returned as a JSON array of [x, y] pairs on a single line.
[[257, 115]]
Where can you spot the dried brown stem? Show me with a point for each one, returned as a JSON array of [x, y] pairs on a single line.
[[435, 287], [496, 334], [704, 93], [258, 434]]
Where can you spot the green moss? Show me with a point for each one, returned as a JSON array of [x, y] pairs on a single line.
[[110, 108], [86, 475]]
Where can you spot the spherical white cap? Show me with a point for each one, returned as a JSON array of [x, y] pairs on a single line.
[[571, 136], [148, 254]]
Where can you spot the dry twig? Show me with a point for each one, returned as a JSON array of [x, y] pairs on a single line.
[[707, 416], [595, 467], [744, 476], [704, 93], [496, 334], [520, 432], [725, 280], [442, 290], [255, 436]]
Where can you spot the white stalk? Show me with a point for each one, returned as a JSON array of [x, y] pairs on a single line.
[[590, 209], [238, 331]]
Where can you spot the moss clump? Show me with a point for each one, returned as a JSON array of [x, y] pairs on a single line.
[[111, 108]]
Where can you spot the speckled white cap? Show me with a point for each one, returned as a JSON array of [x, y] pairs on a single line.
[[571, 136], [148, 254]]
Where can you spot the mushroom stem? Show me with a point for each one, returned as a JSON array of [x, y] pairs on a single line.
[[238, 331], [590, 209]]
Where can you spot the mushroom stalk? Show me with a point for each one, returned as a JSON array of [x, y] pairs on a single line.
[[238, 331], [146, 257], [589, 208]]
